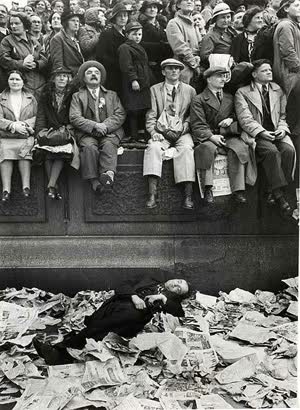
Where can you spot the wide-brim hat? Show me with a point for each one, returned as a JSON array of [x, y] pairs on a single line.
[[68, 14], [148, 3], [172, 62], [61, 70], [219, 10], [88, 64], [280, 12], [119, 8], [215, 70], [133, 25]]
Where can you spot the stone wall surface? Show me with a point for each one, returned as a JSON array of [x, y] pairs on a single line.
[[61, 244]]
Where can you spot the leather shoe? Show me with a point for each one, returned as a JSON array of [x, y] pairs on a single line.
[[26, 192], [106, 181], [270, 199], [51, 192], [188, 202], [151, 202], [51, 354], [208, 196], [239, 197], [5, 196], [284, 206]]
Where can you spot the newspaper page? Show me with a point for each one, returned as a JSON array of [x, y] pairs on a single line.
[[15, 320], [221, 183], [179, 390], [201, 355], [108, 373], [38, 396]]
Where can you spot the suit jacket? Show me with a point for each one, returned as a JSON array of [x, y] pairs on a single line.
[[249, 111], [206, 113], [13, 50], [28, 113], [186, 93], [64, 53], [83, 125]]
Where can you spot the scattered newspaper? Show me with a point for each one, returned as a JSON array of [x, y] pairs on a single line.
[[15, 321]]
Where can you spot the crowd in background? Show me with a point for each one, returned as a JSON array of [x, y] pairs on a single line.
[[44, 45]]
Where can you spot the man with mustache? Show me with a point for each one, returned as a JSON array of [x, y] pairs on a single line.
[[97, 116]]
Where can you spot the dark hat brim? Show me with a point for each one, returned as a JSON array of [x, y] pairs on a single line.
[[115, 13], [147, 4]]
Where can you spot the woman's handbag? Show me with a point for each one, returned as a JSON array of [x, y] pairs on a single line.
[[51, 137]]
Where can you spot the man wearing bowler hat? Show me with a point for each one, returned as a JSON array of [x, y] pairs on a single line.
[[97, 116], [215, 130], [169, 126]]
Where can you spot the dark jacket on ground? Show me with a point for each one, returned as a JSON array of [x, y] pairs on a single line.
[[107, 53], [133, 63], [119, 315], [64, 53]]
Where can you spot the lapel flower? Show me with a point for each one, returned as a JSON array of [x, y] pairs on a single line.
[[101, 103]]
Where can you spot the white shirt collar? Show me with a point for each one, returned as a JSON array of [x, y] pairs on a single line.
[[169, 87], [259, 86], [96, 89]]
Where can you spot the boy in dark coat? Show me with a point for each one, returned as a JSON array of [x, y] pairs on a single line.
[[126, 313], [133, 63]]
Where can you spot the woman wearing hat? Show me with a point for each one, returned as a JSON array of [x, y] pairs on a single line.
[[135, 78], [21, 51], [109, 42], [286, 43], [243, 44], [89, 34], [53, 113], [64, 47], [154, 38], [219, 39]]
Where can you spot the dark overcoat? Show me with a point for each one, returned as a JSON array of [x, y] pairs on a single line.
[[155, 43], [107, 54], [119, 315], [133, 63], [48, 116], [206, 113], [65, 53], [83, 118]]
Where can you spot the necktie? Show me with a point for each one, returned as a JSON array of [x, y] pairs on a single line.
[[265, 95], [219, 96], [173, 93], [94, 94]]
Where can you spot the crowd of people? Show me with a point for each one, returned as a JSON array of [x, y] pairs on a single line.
[[186, 79]]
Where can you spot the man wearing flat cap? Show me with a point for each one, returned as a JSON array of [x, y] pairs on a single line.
[[169, 126], [97, 116], [215, 130]]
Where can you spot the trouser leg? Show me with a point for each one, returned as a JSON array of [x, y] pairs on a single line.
[[236, 172], [152, 164], [270, 158], [287, 153], [89, 154], [108, 158], [183, 162]]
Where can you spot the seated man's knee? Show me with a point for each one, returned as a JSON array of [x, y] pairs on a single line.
[[154, 146]]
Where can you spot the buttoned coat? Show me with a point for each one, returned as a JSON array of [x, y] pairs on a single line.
[[249, 111], [206, 113], [13, 50], [7, 116], [183, 40], [185, 96], [83, 125], [64, 53], [107, 54], [286, 43]]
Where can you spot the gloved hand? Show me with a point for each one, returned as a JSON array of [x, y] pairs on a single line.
[[171, 136]]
